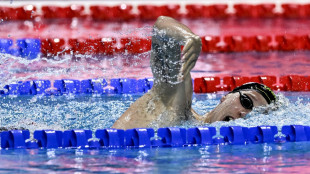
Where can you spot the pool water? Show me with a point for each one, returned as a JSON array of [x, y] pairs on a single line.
[[251, 158], [14, 69], [94, 112], [101, 111]]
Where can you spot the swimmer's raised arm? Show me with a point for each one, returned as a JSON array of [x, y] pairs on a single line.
[[169, 101], [171, 67]]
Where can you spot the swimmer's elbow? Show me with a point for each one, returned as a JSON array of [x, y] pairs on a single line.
[[162, 20]]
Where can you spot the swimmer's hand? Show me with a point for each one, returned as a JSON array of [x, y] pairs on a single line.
[[190, 54], [167, 32]]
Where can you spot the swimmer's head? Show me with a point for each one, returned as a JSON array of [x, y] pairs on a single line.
[[241, 101], [264, 90]]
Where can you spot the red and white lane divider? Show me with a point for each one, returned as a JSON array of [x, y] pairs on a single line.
[[130, 11], [210, 44], [284, 83]]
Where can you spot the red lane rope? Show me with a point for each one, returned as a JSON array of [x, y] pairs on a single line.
[[260, 43], [283, 83], [210, 44], [125, 12], [107, 46]]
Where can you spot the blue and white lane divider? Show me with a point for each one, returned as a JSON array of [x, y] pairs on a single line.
[[69, 86], [145, 137]]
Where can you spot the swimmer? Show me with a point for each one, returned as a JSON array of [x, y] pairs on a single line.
[[169, 101]]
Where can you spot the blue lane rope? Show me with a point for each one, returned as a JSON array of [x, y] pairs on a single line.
[[70, 86], [146, 137], [28, 48]]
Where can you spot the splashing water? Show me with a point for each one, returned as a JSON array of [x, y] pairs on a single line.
[[14, 69], [62, 112], [94, 112], [69, 112], [97, 112]]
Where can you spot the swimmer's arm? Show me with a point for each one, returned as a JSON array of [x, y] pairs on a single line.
[[171, 97], [171, 67], [166, 27]]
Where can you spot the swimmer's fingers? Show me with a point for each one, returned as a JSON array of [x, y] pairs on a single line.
[[187, 46], [186, 56], [190, 55], [192, 45], [189, 65], [189, 59], [188, 70]]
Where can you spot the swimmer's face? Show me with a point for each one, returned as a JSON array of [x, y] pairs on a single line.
[[232, 108]]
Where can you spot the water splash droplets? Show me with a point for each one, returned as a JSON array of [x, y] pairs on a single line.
[[14, 69], [63, 112]]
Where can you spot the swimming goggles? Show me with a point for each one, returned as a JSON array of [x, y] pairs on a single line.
[[246, 101]]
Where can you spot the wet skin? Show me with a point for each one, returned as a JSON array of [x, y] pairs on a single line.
[[169, 101]]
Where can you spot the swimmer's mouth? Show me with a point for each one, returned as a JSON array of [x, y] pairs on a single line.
[[228, 118]]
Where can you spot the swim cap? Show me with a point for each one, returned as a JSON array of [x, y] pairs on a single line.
[[264, 90]]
